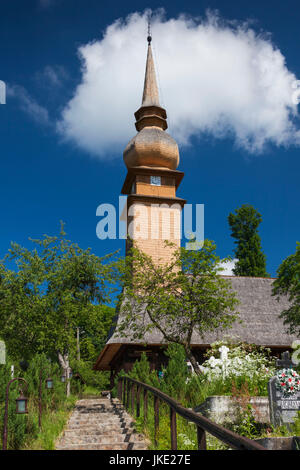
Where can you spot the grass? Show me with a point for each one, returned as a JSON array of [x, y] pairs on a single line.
[[283, 431], [88, 390], [53, 423]]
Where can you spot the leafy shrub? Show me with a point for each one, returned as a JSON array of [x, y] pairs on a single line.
[[92, 378], [26, 427], [142, 371], [245, 424], [174, 381], [40, 368], [16, 423]]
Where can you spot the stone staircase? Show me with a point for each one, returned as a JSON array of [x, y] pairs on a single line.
[[100, 424]]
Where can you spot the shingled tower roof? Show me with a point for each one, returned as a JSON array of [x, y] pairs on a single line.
[[150, 94]]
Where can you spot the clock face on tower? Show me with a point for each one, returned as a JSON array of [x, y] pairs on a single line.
[[155, 180]]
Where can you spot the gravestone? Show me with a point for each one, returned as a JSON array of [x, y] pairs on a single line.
[[285, 362], [224, 358], [283, 409], [2, 352], [224, 352]]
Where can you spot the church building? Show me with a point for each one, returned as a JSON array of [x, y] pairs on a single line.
[[152, 180]]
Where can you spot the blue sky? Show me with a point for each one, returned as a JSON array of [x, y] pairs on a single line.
[[46, 178]]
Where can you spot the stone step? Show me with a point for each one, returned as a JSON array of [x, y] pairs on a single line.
[[100, 439], [96, 424], [119, 446], [105, 412], [97, 409], [97, 406], [109, 414], [100, 430], [103, 418], [101, 427]]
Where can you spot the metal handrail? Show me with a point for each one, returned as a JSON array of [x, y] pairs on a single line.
[[203, 424]]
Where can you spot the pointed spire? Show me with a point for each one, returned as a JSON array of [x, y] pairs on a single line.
[[150, 113], [150, 94]]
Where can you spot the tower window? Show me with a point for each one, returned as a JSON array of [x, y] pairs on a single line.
[[155, 180]]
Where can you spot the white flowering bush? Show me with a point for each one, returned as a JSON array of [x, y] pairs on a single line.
[[288, 381], [186, 441], [237, 363]]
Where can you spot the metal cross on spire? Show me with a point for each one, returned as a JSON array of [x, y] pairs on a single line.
[[149, 38]]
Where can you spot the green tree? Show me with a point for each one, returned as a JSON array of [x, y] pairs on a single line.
[[176, 373], [288, 284], [178, 299], [56, 288], [141, 371], [244, 223], [94, 330]]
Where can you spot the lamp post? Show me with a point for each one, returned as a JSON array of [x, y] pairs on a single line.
[[49, 383], [49, 386], [21, 407]]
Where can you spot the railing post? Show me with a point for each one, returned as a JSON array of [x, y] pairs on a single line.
[[201, 438], [173, 428], [120, 389], [145, 406], [156, 419], [127, 394], [132, 398], [124, 390], [138, 401]]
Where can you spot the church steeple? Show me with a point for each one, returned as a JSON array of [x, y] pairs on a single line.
[[152, 146], [150, 113], [152, 157], [150, 94]]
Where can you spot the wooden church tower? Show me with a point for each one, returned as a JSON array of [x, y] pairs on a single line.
[[151, 157]]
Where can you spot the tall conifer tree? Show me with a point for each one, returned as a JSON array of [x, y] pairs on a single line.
[[244, 224]]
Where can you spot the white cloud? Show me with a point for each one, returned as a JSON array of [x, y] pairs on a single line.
[[28, 104], [227, 267], [218, 78], [52, 76]]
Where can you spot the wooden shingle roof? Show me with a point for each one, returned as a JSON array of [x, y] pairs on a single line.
[[258, 310]]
